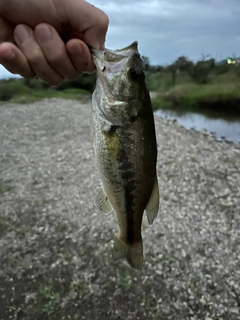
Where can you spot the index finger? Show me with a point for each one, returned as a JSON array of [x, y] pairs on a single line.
[[92, 24]]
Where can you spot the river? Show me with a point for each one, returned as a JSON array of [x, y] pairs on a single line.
[[222, 129]]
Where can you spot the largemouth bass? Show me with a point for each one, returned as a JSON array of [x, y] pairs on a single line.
[[125, 147]]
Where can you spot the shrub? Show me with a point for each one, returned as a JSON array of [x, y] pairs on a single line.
[[221, 68], [12, 87], [85, 81], [36, 84], [201, 70]]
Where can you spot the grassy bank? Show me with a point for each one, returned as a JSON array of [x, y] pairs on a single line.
[[220, 94], [33, 96], [28, 91]]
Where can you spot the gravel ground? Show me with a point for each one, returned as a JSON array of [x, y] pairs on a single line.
[[55, 247]]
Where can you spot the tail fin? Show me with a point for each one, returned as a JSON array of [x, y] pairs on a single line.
[[132, 253]]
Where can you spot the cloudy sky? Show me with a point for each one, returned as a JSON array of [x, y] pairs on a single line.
[[167, 29]]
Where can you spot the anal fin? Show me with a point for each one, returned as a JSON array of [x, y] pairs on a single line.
[[153, 203], [102, 202]]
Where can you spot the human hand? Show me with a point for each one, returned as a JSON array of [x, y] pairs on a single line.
[[49, 38]]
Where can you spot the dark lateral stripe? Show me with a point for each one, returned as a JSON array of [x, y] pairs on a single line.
[[127, 176], [129, 212]]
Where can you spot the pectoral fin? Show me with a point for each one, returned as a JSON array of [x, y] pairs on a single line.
[[153, 204], [102, 202]]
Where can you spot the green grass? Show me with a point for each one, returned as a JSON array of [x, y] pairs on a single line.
[[15, 90], [220, 93], [188, 96], [39, 95], [12, 87], [161, 103], [33, 96], [162, 81]]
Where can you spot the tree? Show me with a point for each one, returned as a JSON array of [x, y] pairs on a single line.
[[201, 70], [173, 69], [183, 64]]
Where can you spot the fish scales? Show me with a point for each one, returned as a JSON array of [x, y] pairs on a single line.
[[125, 147]]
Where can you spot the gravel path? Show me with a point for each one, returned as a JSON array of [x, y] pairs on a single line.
[[55, 247]]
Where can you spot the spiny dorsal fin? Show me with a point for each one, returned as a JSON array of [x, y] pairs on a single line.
[[102, 202], [153, 203]]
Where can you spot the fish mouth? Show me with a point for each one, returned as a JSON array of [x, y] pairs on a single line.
[[117, 61], [117, 54], [121, 53]]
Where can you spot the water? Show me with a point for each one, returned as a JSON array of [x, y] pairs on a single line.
[[228, 129]]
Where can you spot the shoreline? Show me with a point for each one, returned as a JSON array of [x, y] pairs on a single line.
[[216, 108], [173, 114], [175, 118]]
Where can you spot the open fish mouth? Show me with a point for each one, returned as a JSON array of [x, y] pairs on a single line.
[[115, 55], [117, 69], [115, 60]]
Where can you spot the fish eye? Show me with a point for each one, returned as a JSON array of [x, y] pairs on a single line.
[[134, 74]]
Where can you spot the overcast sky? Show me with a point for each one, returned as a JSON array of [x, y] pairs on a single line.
[[168, 29]]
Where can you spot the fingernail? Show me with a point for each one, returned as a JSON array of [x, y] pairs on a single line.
[[76, 50], [44, 33], [9, 56], [23, 33]]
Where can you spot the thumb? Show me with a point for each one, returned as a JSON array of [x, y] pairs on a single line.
[[89, 21]]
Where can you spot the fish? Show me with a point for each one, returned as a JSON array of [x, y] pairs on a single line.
[[125, 147]]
